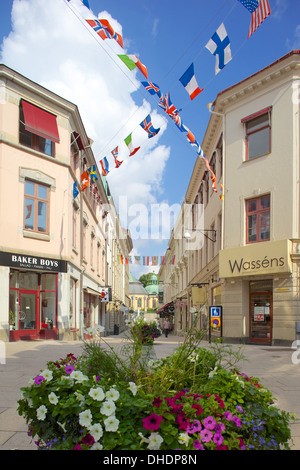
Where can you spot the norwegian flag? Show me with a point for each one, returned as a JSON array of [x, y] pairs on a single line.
[[115, 154], [104, 29], [259, 15]]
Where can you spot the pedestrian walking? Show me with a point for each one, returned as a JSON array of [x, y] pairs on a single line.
[[166, 327]]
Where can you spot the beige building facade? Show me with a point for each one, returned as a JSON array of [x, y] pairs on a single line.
[[57, 262], [247, 261]]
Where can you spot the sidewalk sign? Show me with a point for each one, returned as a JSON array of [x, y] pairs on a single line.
[[215, 322]]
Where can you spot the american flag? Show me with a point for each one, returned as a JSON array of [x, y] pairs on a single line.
[[259, 15]]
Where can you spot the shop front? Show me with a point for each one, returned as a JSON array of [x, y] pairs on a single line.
[[258, 293], [33, 295]]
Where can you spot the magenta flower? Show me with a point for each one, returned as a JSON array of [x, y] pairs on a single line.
[[198, 445], [219, 427], [182, 421], [206, 435], [209, 422], [237, 421], [218, 439], [157, 402], [39, 379], [77, 447], [193, 427], [152, 422], [69, 369], [88, 440], [228, 416]]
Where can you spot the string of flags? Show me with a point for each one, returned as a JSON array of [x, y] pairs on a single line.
[[218, 45], [147, 260]]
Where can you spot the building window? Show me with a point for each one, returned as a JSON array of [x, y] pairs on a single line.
[[36, 213], [258, 134], [258, 219], [37, 129]]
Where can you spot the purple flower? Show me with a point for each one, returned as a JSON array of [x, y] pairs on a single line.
[[39, 379], [209, 422], [240, 409], [219, 427], [198, 445], [237, 421], [69, 369], [193, 427], [228, 416], [206, 435], [218, 439]]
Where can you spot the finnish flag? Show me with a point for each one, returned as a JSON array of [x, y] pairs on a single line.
[[219, 45]]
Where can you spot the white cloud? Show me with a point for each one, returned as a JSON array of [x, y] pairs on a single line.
[[55, 47]]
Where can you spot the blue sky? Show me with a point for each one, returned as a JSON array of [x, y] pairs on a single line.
[[49, 43]]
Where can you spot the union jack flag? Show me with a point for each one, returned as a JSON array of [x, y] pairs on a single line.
[[166, 104], [147, 125], [152, 88]]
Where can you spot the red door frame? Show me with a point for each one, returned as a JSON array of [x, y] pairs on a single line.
[[30, 334], [261, 340]]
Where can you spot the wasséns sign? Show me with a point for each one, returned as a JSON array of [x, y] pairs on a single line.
[[16, 260]]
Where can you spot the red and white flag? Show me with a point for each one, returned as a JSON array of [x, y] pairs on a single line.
[[259, 15]]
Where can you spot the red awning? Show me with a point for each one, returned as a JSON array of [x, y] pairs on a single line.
[[78, 140], [162, 308], [40, 122]]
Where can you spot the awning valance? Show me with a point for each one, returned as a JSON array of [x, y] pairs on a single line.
[[40, 122]]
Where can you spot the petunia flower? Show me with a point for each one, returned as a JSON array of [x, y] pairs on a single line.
[[155, 441], [39, 379], [41, 412], [197, 445], [112, 394], [69, 369], [96, 431], [209, 422], [183, 438], [157, 402], [108, 408], [85, 418], [77, 447], [88, 440], [152, 422], [53, 398], [218, 439], [133, 388], [47, 374], [111, 424], [206, 435], [97, 394]]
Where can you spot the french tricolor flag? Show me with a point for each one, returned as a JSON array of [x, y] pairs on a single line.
[[189, 82]]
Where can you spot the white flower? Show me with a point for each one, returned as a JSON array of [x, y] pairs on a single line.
[[89, 331], [155, 441], [99, 328], [78, 376], [213, 372], [47, 374], [85, 418], [97, 446], [133, 388], [183, 438], [111, 424], [53, 398], [96, 431], [41, 413], [108, 408], [143, 438], [97, 393], [80, 397], [112, 394], [193, 357]]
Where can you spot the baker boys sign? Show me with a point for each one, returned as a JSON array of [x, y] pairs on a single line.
[[32, 262]]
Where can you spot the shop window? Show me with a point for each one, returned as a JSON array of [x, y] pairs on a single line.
[[37, 129], [36, 210], [258, 219], [258, 134]]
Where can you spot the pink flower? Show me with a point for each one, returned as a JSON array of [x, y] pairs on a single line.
[[157, 402], [69, 369], [237, 421], [218, 439], [193, 427], [206, 435], [152, 422], [77, 447], [182, 421], [198, 445], [88, 440], [228, 416], [209, 422], [39, 379]]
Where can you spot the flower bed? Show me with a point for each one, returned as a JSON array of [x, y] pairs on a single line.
[[189, 400]]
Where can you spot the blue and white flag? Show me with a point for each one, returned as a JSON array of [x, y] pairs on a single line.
[[219, 45], [75, 190]]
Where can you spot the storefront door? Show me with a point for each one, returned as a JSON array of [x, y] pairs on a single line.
[[27, 314], [261, 317]]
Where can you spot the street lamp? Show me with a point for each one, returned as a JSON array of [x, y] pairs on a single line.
[[213, 238]]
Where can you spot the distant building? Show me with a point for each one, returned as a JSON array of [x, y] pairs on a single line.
[[137, 294]]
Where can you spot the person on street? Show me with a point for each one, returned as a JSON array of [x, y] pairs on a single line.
[[166, 327]]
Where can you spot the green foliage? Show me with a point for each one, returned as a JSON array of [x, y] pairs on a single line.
[[194, 399]]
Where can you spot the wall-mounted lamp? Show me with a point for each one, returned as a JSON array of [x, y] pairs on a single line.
[[200, 284], [213, 238]]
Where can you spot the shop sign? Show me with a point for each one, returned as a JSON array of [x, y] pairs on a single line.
[[16, 260], [105, 294], [255, 259], [180, 304]]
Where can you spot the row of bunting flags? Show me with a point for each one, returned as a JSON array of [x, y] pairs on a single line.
[[218, 45], [147, 260]]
